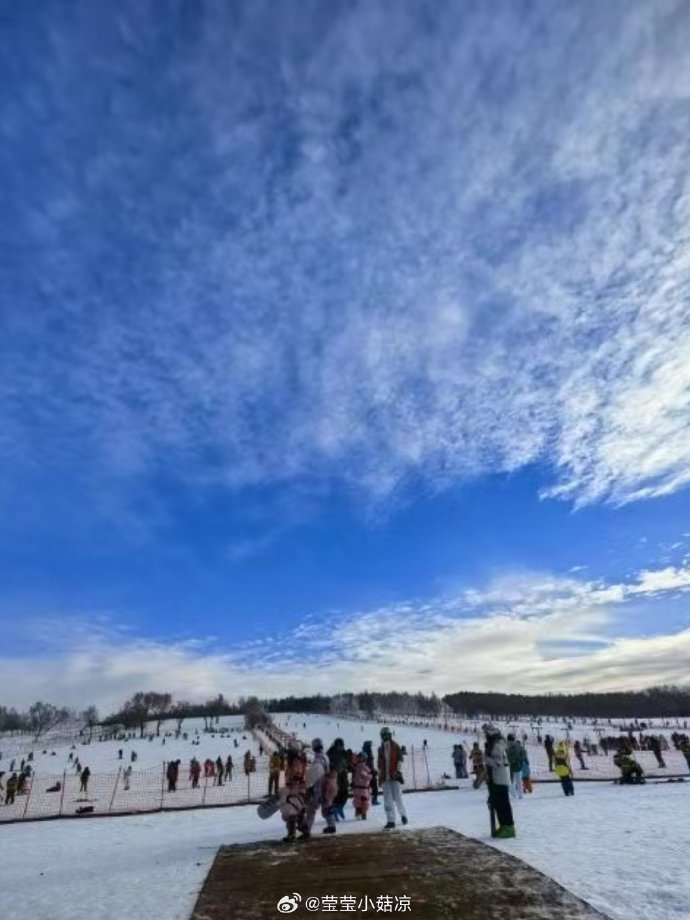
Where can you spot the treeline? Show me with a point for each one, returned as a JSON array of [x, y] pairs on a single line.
[[656, 702], [43, 717]]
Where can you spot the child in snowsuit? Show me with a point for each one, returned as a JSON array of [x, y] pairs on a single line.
[[477, 758], [361, 787], [368, 755], [563, 769], [526, 774]]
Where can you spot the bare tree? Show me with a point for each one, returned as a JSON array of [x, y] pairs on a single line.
[[44, 716], [90, 718]]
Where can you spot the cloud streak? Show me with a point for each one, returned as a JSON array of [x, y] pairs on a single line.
[[530, 632], [396, 249]]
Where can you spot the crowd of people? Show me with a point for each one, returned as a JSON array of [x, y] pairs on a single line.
[[321, 781]]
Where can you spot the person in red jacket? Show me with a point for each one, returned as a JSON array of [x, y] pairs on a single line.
[[390, 757]]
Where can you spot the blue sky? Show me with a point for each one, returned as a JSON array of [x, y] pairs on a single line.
[[344, 345]]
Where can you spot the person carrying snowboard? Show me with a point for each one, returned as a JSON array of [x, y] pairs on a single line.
[[390, 757], [293, 806], [497, 768], [322, 791]]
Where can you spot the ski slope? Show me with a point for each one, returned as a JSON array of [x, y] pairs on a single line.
[[623, 849]]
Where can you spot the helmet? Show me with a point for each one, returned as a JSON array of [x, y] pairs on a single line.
[[386, 732], [316, 744]]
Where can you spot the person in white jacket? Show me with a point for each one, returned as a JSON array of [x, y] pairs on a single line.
[[498, 781]]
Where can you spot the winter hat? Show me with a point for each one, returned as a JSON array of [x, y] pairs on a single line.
[[491, 729], [386, 732], [317, 744]]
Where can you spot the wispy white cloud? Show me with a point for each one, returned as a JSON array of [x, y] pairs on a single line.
[[395, 249], [526, 632]]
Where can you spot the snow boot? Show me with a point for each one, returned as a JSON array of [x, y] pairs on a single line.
[[389, 826], [404, 819], [505, 832], [328, 830]]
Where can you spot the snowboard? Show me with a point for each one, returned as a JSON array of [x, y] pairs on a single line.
[[268, 807]]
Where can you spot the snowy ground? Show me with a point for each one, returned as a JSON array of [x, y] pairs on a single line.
[[624, 849]]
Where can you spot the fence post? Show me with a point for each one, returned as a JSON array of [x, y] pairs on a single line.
[[162, 786], [62, 794], [117, 779], [414, 772], [249, 786], [203, 796], [28, 795]]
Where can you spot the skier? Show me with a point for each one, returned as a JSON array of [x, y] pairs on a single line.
[[229, 766], [498, 782], [361, 787], [390, 758], [563, 769]]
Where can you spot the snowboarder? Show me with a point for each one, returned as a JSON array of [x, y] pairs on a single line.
[[498, 781], [321, 794], [293, 807], [229, 766], [390, 758]]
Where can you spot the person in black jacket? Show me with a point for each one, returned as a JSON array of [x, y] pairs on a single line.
[[337, 758]]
